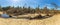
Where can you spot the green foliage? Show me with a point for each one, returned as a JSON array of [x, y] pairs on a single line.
[[6, 8]]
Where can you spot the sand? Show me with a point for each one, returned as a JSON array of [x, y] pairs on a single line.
[[55, 20]]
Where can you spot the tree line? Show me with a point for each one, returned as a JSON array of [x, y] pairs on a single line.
[[25, 10]]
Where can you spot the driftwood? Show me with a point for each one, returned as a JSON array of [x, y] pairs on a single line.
[[30, 18], [41, 17]]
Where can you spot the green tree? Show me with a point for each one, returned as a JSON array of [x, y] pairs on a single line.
[[56, 7], [6, 8]]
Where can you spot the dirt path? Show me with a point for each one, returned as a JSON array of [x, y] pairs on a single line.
[[55, 20]]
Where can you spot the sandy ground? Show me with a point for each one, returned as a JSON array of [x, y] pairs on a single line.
[[1, 12], [55, 20]]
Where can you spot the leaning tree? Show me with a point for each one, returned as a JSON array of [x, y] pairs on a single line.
[[56, 7]]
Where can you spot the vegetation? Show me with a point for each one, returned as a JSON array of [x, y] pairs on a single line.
[[25, 10]]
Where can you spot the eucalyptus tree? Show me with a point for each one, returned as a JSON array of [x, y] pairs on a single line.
[[56, 7]]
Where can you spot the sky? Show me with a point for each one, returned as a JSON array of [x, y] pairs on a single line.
[[31, 3]]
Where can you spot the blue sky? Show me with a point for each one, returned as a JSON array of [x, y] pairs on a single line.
[[32, 3]]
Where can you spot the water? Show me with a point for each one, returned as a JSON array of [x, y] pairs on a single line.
[[5, 15]]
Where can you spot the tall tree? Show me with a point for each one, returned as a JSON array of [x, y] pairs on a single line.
[[55, 5]]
